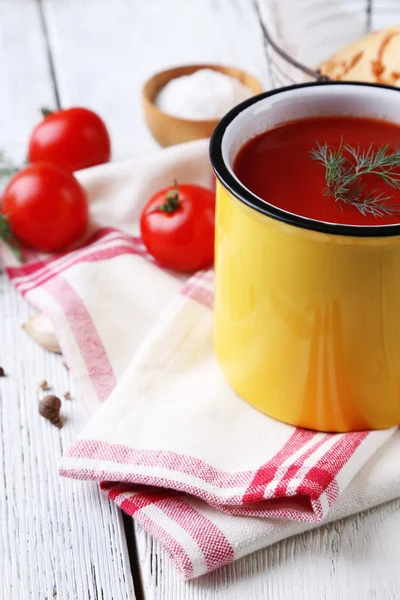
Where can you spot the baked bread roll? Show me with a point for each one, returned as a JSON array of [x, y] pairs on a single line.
[[374, 58]]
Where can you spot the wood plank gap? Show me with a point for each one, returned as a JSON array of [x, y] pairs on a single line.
[[49, 53], [257, 13], [133, 556]]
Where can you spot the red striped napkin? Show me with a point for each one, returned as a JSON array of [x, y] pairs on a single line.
[[209, 476]]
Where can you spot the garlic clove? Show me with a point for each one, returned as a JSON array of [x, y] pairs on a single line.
[[41, 329]]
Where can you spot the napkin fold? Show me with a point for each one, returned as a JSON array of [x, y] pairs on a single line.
[[205, 473]]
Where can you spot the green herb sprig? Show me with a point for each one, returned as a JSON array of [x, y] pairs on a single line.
[[7, 236], [345, 167], [7, 169]]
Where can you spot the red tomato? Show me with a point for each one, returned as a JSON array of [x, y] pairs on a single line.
[[177, 226], [46, 207], [75, 138]]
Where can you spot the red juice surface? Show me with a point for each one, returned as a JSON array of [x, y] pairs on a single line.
[[277, 167]]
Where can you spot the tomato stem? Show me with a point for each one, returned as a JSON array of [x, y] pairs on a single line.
[[7, 235], [172, 201], [46, 111]]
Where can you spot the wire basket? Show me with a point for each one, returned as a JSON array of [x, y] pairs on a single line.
[[300, 34]]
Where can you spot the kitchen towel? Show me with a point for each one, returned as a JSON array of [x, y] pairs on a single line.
[[208, 475]]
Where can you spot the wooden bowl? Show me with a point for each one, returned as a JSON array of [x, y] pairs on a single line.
[[168, 130]]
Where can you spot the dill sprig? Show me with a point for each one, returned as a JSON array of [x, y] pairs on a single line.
[[7, 168], [345, 167], [8, 237]]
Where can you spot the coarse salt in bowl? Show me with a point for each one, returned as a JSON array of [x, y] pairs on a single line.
[[169, 129], [203, 95]]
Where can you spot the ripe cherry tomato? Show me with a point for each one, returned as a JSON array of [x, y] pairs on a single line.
[[177, 226], [46, 207], [75, 138]]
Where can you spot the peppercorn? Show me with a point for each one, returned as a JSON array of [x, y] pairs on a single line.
[[44, 385], [49, 408]]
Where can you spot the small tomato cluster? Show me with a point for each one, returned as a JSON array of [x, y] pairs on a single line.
[[44, 206]]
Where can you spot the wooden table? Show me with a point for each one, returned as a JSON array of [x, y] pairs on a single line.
[[62, 539]]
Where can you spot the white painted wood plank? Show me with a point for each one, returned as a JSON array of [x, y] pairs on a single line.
[[57, 539], [104, 51], [352, 559], [25, 81], [55, 534]]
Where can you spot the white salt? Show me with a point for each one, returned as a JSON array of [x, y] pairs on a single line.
[[203, 95]]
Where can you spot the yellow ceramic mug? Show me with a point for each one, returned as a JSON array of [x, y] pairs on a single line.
[[307, 313]]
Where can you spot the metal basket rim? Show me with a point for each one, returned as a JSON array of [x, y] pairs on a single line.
[[314, 73]]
